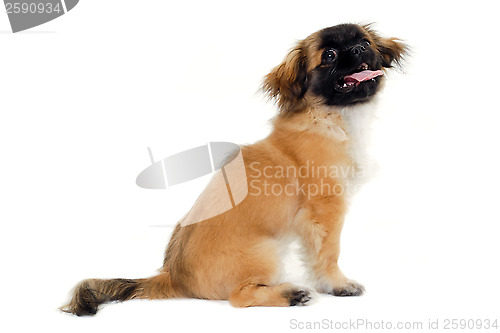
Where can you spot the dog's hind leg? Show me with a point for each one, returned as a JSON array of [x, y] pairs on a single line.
[[258, 279], [256, 294]]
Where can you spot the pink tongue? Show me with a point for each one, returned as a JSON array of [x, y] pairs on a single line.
[[362, 76]]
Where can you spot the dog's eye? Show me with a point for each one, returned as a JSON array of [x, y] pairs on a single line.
[[366, 42], [329, 56]]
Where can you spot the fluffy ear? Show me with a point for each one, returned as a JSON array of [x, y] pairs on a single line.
[[287, 82], [391, 50]]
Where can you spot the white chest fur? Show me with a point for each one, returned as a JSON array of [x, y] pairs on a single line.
[[351, 125], [358, 121]]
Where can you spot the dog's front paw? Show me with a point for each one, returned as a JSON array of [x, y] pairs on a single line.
[[350, 288]]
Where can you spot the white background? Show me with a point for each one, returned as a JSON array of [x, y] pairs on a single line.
[[82, 97]]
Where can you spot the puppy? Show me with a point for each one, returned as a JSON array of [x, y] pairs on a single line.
[[299, 179]]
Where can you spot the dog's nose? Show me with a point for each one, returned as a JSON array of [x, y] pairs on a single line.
[[358, 49]]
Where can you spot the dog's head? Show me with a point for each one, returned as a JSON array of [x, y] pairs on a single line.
[[340, 65]]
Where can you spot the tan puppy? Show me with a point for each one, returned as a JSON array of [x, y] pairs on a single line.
[[299, 181]]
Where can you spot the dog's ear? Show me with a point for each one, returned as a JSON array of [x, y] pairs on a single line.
[[287, 82], [391, 50]]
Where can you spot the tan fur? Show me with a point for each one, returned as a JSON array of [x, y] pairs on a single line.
[[235, 256], [391, 49]]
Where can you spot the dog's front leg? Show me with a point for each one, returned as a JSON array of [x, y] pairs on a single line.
[[319, 224]]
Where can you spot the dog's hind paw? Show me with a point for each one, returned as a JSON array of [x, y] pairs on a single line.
[[298, 297]]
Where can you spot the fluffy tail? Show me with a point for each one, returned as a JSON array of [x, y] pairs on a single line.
[[90, 294]]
